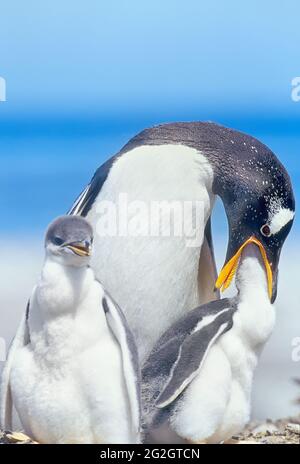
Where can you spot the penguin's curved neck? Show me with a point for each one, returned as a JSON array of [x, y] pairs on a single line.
[[230, 188]]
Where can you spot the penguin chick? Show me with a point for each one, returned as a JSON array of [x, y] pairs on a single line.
[[72, 370], [197, 380]]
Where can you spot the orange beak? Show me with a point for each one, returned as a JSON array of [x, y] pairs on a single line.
[[79, 249], [227, 273]]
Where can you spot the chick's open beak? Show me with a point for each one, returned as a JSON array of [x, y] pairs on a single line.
[[80, 248], [227, 273]]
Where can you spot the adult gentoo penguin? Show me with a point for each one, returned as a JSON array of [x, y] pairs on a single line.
[[197, 380], [156, 279], [72, 371]]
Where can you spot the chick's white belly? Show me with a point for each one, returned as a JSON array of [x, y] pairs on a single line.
[[80, 401]]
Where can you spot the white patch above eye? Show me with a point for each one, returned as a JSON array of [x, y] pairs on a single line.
[[280, 219]]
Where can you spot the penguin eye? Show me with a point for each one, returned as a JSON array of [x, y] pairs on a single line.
[[265, 230], [58, 241]]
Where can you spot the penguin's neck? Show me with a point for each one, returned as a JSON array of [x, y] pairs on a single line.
[[256, 314], [64, 314], [61, 288], [251, 275]]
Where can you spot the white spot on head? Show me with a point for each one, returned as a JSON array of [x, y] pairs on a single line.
[[279, 216]]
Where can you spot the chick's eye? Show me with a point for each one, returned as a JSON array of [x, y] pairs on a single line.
[[265, 230], [58, 241]]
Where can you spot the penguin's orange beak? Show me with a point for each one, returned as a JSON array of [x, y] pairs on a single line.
[[80, 249], [228, 272]]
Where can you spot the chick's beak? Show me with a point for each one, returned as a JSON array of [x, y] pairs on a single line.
[[227, 273], [80, 248]]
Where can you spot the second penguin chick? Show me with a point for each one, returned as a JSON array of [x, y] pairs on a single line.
[[197, 381]]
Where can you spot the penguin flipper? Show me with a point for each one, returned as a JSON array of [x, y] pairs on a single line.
[[6, 404], [131, 370], [180, 353], [84, 202]]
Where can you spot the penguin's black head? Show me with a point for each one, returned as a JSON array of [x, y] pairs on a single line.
[[260, 207]]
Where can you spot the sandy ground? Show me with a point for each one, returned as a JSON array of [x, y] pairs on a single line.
[[285, 432]]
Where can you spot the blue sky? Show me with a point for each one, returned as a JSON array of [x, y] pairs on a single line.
[[83, 77], [122, 56]]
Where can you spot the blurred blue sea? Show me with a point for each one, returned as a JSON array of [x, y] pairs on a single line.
[[43, 170]]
